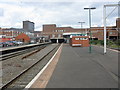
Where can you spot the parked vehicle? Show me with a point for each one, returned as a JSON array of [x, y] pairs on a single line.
[[1, 44], [10, 43], [20, 43], [4, 44], [15, 43]]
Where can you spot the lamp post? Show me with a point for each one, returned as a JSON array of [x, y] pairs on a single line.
[[81, 23], [90, 24]]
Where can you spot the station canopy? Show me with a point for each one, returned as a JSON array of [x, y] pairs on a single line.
[[74, 34]]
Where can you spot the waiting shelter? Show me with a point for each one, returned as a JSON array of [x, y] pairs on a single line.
[[77, 39]]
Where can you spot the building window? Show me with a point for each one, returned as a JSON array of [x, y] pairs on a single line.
[[85, 38], [76, 38], [81, 38], [111, 33], [56, 30], [59, 31], [53, 36], [59, 35]]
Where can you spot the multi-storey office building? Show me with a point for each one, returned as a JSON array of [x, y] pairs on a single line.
[[28, 26]]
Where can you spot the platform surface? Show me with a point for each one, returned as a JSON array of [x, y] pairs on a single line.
[[77, 68]]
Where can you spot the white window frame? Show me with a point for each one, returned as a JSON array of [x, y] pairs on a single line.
[[77, 38]]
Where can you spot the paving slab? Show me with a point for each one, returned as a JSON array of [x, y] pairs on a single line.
[[77, 68]]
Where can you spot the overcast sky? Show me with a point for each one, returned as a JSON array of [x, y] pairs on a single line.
[[59, 12]]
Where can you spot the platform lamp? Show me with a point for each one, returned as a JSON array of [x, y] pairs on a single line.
[[81, 23], [90, 24]]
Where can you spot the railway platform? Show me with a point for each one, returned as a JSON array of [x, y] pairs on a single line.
[[75, 67]]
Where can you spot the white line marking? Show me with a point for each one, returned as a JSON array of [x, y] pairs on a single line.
[[38, 75]]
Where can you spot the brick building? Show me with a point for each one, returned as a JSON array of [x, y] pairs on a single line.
[[28, 29], [23, 37], [14, 32], [98, 33], [57, 33], [118, 23], [82, 41]]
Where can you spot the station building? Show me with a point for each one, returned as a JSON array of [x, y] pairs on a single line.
[[57, 34], [79, 39]]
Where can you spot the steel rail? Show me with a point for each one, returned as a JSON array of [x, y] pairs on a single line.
[[5, 86], [14, 54]]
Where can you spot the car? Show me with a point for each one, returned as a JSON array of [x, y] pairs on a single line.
[[1, 44], [32, 42], [10, 43], [14, 43], [4, 44], [20, 43]]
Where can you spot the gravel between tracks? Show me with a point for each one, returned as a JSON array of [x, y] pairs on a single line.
[[15, 65]]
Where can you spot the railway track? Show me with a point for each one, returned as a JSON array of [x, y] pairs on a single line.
[[17, 53], [21, 80]]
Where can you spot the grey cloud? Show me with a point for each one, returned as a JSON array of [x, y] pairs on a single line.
[[60, 13], [1, 12]]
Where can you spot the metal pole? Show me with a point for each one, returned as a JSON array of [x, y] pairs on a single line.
[[12, 33], [90, 28], [119, 9], [81, 25], [104, 19]]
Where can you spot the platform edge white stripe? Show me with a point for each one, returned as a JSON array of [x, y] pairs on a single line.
[[38, 75]]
